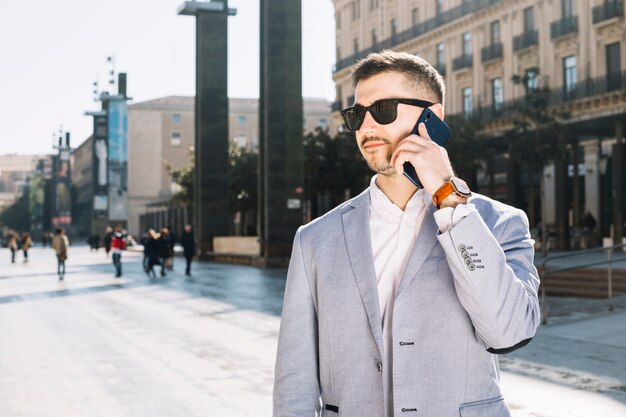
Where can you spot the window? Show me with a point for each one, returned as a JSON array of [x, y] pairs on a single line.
[[356, 45], [175, 118], [567, 8], [467, 44], [497, 94], [323, 123], [373, 4], [338, 53], [356, 9], [241, 119], [438, 7], [415, 16], [441, 55], [338, 20], [613, 65], [241, 140], [495, 32], [569, 73], [467, 101], [529, 22], [531, 79], [394, 27], [176, 138], [374, 38]]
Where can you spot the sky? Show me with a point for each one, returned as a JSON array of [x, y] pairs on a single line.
[[51, 52]]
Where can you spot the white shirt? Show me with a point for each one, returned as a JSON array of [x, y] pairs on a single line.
[[393, 233]]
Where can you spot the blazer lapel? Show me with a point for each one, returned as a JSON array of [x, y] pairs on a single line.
[[426, 239], [358, 241]]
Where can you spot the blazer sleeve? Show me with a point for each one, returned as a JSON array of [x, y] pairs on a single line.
[[296, 378], [495, 278]]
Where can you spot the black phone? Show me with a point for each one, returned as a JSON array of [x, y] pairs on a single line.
[[438, 131]]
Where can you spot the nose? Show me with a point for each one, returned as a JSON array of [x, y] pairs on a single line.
[[369, 125]]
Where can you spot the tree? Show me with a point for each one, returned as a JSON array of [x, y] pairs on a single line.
[[467, 150], [184, 177], [243, 182], [538, 136], [334, 168], [17, 215]]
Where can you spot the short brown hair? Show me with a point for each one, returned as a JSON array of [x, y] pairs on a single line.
[[419, 73]]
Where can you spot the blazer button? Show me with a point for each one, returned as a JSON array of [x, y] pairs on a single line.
[[379, 366]]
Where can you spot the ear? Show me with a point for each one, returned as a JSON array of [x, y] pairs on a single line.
[[437, 108]]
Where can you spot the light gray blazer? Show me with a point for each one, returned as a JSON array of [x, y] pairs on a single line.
[[464, 294]]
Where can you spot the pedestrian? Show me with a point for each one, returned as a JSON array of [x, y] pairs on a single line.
[[60, 244], [118, 244], [188, 242], [166, 250], [173, 238], [108, 238], [12, 244], [27, 242], [151, 251], [398, 301]]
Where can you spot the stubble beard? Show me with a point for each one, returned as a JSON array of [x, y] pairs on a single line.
[[381, 167]]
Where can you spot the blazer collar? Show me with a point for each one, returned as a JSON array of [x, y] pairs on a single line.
[[358, 241]]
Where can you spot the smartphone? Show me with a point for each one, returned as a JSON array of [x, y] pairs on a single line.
[[438, 131]]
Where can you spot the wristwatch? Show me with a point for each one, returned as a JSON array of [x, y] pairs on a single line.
[[455, 186]]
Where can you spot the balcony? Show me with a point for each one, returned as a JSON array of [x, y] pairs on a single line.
[[441, 69], [608, 10], [461, 62], [434, 23], [589, 87], [525, 40], [335, 106], [565, 26], [491, 52]]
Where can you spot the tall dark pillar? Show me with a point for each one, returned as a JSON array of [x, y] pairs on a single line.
[[281, 130], [211, 195], [562, 204], [618, 162]]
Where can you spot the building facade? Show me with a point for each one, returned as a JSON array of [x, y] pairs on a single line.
[[163, 130], [479, 45]]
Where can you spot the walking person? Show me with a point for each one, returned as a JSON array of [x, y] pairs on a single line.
[[27, 242], [60, 244], [166, 249], [12, 244], [398, 300], [108, 239], [151, 251], [118, 244], [188, 242]]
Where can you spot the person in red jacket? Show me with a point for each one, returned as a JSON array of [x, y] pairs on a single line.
[[118, 244]]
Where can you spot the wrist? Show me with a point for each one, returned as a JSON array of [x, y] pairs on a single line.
[[452, 200]]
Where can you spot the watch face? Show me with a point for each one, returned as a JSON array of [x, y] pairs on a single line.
[[460, 186]]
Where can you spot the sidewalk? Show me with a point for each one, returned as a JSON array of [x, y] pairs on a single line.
[[205, 345]]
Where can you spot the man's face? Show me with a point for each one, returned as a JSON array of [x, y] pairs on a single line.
[[375, 141]]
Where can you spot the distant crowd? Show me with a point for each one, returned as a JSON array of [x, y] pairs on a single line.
[[158, 247]]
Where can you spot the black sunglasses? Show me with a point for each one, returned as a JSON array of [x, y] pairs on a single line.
[[383, 111]]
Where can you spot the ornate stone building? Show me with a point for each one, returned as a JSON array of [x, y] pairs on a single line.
[[478, 45]]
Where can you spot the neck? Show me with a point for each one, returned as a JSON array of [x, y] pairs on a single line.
[[398, 189]]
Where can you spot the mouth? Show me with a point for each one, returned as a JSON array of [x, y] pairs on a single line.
[[372, 144]]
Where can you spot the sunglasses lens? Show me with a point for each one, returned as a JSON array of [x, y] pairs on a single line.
[[353, 116], [384, 111]]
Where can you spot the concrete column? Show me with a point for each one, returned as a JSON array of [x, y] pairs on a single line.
[[281, 127], [592, 180], [211, 193]]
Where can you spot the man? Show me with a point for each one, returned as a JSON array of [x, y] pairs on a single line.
[[60, 243], [118, 244], [188, 242], [395, 304]]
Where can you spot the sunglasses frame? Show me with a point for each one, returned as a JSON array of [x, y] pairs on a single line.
[[396, 101]]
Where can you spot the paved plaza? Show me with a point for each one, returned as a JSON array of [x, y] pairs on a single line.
[[93, 345]]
